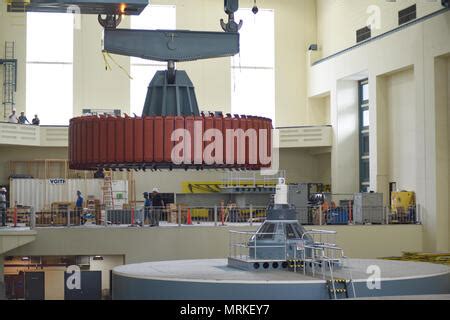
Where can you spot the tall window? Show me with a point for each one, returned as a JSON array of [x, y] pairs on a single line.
[[49, 87], [253, 70], [142, 71], [364, 132]]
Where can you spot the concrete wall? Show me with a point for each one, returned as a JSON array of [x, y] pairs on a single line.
[[337, 21], [344, 157], [319, 110], [140, 245], [388, 63], [401, 127], [442, 90], [94, 87]]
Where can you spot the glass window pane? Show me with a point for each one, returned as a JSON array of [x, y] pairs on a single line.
[[142, 76], [257, 47], [49, 37], [253, 92], [154, 17], [365, 145], [365, 171], [366, 118], [49, 93], [365, 92]]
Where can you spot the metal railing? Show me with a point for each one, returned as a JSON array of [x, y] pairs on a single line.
[[244, 245], [179, 215]]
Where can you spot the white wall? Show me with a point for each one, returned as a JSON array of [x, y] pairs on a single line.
[[401, 130], [345, 151], [415, 48], [319, 110], [338, 20]]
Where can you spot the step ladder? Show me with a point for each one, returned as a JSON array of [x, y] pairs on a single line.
[[9, 79], [108, 199], [338, 287]]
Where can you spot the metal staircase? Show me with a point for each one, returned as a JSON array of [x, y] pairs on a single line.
[[339, 287], [9, 78], [319, 258]]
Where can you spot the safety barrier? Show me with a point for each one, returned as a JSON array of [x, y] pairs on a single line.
[[180, 215]]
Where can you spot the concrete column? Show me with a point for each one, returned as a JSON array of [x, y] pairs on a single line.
[[345, 151], [441, 95], [379, 137]]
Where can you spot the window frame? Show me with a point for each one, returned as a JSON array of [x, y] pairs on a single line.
[[236, 66], [364, 133], [143, 63], [31, 61]]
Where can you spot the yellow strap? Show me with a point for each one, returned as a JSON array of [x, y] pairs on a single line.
[[107, 66], [117, 64]]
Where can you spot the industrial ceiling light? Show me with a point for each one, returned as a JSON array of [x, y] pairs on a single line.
[[98, 258], [255, 9], [25, 258]]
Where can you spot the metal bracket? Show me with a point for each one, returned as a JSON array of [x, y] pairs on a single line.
[[110, 22]]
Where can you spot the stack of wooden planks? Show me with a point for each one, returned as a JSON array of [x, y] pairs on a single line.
[[438, 258]]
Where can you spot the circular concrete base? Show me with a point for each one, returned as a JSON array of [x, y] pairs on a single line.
[[214, 280]]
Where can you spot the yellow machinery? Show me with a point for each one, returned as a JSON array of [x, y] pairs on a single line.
[[189, 187], [402, 201]]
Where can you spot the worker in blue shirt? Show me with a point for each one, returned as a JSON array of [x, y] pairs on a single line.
[[79, 207], [147, 206], [23, 119]]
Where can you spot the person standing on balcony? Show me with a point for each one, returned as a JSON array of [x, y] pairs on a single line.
[[157, 206], [36, 120], [13, 117], [23, 118], [3, 206]]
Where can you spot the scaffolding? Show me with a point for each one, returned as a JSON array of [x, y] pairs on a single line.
[[250, 181], [9, 79]]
